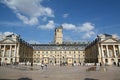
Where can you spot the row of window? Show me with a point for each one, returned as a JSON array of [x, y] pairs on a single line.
[[111, 53], [7, 55], [7, 46], [58, 61], [56, 55], [57, 51]]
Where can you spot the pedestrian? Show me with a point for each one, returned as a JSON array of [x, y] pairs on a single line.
[[42, 66], [80, 63], [46, 65], [118, 64], [100, 64]]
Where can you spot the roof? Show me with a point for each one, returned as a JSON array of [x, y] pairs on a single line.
[[58, 47], [107, 35]]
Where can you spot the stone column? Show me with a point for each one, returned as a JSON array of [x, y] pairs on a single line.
[[10, 51], [107, 51], [114, 51], [0, 56], [99, 51], [15, 51], [4, 51], [0, 51], [102, 50], [119, 49]]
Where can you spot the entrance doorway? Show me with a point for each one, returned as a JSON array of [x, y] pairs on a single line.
[[46, 60], [70, 61]]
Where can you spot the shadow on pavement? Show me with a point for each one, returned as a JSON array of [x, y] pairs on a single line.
[[24, 79], [91, 69], [8, 79], [18, 79], [90, 79]]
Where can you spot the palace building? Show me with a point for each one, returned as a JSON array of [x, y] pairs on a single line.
[[14, 50], [56, 54], [59, 52], [105, 49]]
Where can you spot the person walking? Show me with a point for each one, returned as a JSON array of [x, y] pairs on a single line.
[[42, 66], [46, 66]]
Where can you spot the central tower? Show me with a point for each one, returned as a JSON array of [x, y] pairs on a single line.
[[58, 37]]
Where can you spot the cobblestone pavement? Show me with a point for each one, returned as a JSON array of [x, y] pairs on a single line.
[[58, 73]]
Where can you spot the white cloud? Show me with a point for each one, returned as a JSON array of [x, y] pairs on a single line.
[[29, 10], [44, 19], [68, 26], [115, 36], [26, 20], [49, 25], [33, 42], [7, 33], [88, 35], [87, 29], [3, 34], [65, 15], [0, 35]]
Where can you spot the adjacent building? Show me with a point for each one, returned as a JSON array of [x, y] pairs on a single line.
[[13, 49], [105, 49]]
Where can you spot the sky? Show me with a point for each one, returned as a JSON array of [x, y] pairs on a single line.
[[82, 20]]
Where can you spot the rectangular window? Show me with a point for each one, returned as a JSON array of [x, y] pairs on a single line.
[[105, 53]]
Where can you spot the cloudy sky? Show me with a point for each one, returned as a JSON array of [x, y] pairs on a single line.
[[35, 20]]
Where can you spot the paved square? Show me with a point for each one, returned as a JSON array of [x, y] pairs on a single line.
[[58, 73]]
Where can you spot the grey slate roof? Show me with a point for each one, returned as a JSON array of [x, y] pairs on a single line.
[[59, 47]]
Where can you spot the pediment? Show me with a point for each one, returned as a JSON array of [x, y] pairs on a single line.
[[7, 41], [110, 40]]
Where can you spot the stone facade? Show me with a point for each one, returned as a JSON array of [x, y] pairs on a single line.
[[59, 52], [104, 49], [15, 50]]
